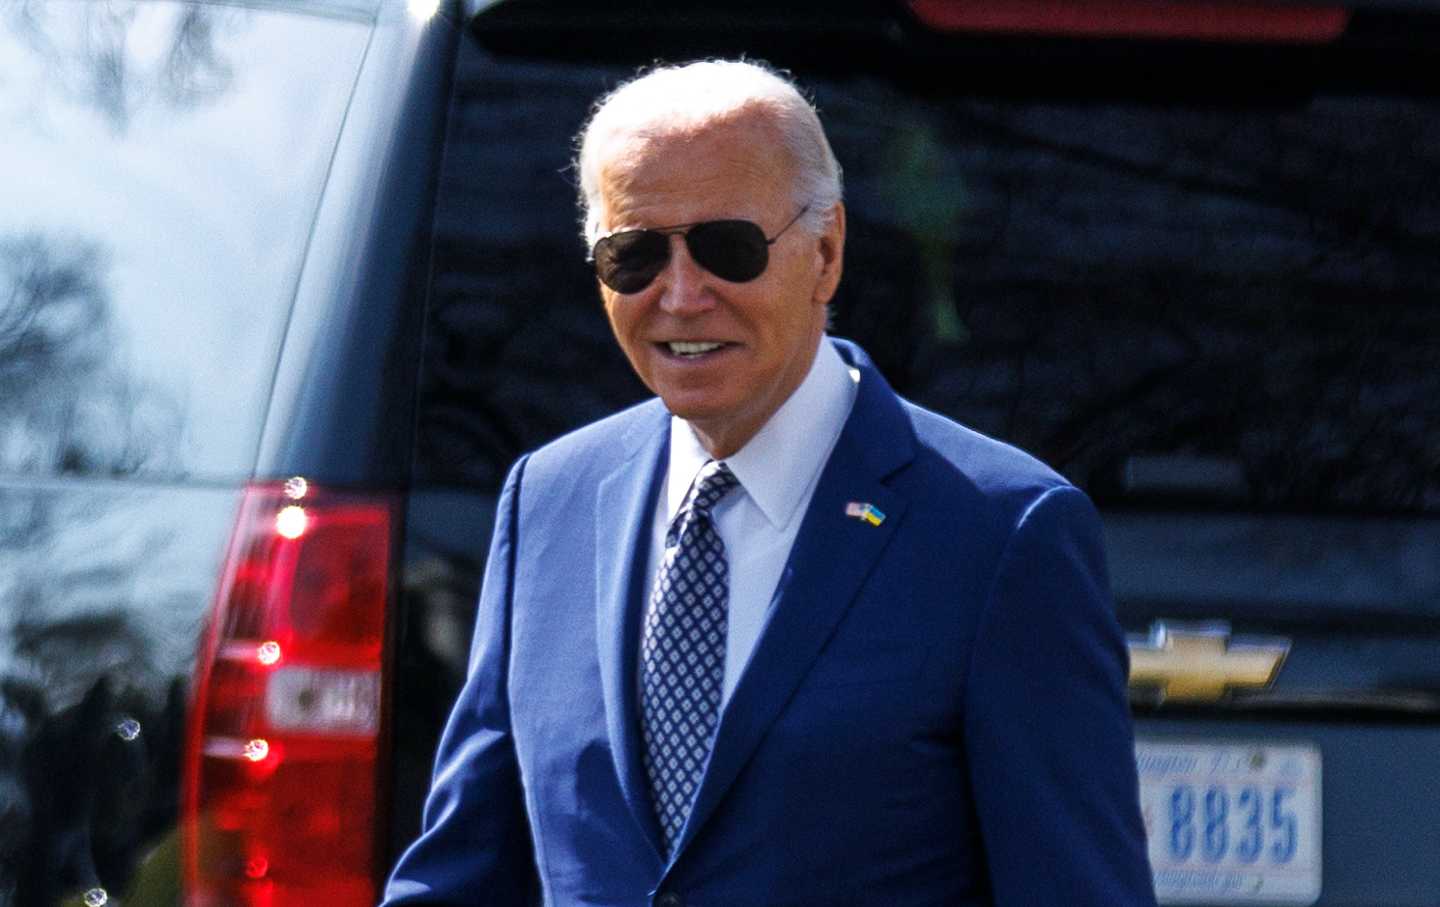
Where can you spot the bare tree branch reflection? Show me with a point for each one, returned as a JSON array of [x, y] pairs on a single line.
[[122, 58], [78, 802], [194, 69], [67, 403]]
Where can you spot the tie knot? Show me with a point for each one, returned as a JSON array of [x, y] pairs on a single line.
[[712, 483]]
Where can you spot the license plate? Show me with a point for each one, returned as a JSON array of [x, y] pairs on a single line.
[[1231, 823]]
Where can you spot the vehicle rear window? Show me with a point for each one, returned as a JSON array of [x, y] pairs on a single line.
[[1219, 304], [162, 164], [1225, 303]]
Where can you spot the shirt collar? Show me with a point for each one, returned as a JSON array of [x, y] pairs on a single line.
[[777, 466]]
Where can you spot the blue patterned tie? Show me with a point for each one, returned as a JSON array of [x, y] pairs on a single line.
[[682, 652]]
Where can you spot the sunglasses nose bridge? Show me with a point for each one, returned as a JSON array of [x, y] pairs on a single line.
[[683, 283]]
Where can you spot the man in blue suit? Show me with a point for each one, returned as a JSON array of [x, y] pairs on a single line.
[[777, 637]]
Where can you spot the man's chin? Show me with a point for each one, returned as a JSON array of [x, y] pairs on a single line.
[[695, 411]]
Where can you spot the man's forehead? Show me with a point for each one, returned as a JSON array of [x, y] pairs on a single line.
[[739, 135], [646, 161]]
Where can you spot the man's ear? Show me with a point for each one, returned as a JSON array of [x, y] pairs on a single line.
[[831, 254]]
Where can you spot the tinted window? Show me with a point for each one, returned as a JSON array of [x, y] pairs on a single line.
[[1225, 304], [162, 164], [517, 349]]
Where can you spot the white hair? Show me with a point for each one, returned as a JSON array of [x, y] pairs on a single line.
[[675, 100]]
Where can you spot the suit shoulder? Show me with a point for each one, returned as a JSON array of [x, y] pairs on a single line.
[[994, 469], [968, 488], [599, 445]]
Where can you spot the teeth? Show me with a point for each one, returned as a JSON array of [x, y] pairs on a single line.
[[689, 348]]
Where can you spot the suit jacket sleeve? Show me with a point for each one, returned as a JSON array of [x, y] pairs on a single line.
[[1048, 729], [475, 845]]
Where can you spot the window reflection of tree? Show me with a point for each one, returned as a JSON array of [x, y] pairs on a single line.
[[78, 800], [102, 56], [67, 403]]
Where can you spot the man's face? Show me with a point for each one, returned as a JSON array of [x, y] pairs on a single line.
[[760, 336]]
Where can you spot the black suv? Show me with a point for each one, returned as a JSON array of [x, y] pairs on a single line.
[[284, 288]]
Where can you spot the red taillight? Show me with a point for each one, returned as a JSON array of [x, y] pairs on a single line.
[[282, 763], [1200, 20]]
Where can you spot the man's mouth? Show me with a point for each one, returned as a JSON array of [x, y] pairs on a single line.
[[690, 349]]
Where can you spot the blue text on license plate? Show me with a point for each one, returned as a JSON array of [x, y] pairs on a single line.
[[1231, 823]]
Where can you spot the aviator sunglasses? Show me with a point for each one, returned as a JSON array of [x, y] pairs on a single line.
[[734, 250]]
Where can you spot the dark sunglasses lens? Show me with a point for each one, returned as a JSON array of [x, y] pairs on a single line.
[[627, 262], [733, 250]]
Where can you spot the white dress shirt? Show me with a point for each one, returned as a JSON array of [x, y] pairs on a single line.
[[778, 470]]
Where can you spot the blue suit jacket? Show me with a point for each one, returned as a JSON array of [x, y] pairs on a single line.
[[935, 713]]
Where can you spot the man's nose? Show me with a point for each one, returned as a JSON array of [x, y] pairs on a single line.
[[685, 287]]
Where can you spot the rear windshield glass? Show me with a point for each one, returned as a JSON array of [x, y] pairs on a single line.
[[162, 164], [1223, 304]]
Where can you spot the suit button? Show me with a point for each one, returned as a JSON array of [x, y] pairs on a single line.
[[669, 899]]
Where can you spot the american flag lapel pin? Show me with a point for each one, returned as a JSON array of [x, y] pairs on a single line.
[[863, 510]]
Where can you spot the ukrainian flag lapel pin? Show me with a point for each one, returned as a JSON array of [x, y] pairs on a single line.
[[863, 510]]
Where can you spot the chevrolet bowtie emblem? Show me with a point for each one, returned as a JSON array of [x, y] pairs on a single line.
[[1200, 662]]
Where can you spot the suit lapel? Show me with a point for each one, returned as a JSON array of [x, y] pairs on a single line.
[[624, 508], [832, 556]]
